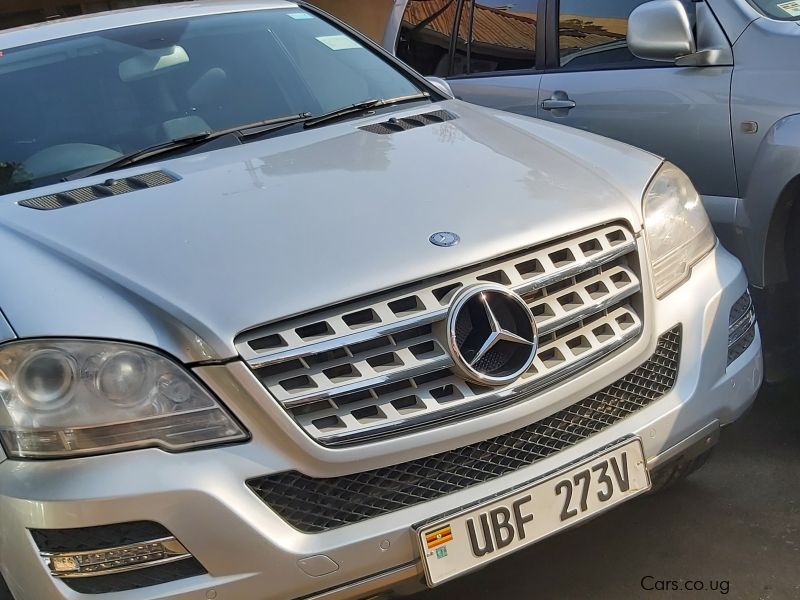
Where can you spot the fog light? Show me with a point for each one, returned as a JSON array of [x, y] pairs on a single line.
[[115, 560], [742, 327]]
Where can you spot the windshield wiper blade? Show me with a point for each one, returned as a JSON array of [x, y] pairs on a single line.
[[194, 139], [241, 132], [362, 106], [270, 125]]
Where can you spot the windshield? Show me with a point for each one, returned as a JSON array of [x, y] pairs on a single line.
[[779, 9], [87, 100]]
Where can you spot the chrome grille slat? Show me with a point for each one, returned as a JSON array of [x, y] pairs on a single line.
[[355, 338], [399, 374], [591, 263], [380, 365], [616, 292]]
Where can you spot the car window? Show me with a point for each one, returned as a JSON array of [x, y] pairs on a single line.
[[592, 34], [503, 35], [779, 9], [114, 92], [491, 35], [425, 35]]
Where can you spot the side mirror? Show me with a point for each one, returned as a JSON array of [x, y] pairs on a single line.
[[441, 85], [660, 30]]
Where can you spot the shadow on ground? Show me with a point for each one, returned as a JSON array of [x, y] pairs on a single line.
[[737, 520]]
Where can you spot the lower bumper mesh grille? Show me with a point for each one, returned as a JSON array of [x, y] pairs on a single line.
[[101, 536], [316, 505]]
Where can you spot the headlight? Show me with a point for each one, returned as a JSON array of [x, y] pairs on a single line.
[[67, 397], [678, 231]]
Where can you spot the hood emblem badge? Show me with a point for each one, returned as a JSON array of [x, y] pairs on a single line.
[[445, 239], [491, 335]]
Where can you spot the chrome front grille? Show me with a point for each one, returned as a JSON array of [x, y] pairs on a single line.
[[381, 365], [313, 505]]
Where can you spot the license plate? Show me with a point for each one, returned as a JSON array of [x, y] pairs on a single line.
[[469, 539]]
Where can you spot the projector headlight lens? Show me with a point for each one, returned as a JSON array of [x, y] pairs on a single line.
[[123, 378], [45, 380]]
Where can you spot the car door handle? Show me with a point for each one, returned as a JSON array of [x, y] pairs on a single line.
[[558, 104]]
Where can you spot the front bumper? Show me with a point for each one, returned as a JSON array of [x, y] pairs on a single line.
[[249, 552]]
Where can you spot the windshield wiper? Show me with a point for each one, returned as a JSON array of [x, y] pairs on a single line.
[[362, 106], [194, 139], [242, 132]]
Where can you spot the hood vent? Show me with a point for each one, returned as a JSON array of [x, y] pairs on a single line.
[[110, 187], [394, 125]]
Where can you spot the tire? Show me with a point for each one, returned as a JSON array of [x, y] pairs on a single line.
[[783, 320], [676, 471]]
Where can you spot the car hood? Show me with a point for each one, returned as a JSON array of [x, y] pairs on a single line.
[[267, 230]]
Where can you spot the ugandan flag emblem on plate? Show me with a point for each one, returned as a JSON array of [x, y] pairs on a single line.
[[438, 537]]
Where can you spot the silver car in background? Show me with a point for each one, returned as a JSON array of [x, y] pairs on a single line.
[[281, 319], [711, 85]]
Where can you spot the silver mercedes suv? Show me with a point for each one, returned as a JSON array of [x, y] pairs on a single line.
[[281, 319]]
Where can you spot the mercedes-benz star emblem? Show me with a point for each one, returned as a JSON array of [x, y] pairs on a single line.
[[445, 239], [491, 334]]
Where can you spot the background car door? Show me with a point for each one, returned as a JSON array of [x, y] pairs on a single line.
[[593, 82], [488, 50]]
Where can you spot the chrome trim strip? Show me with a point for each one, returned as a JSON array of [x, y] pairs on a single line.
[[740, 334], [172, 548], [160, 540], [435, 364], [597, 260], [589, 310], [493, 400], [750, 308], [739, 328], [347, 340], [114, 571]]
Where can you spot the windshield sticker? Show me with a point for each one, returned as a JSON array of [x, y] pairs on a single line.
[[793, 8], [339, 42], [301, 16]]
